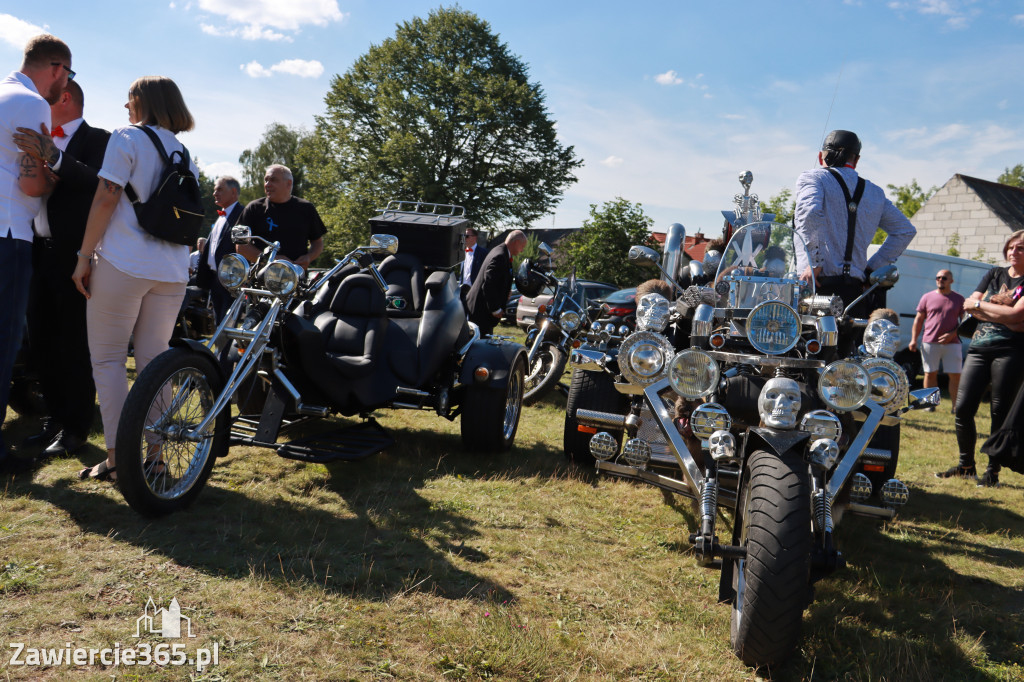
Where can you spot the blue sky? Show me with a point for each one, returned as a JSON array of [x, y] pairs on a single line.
[[666, 102]]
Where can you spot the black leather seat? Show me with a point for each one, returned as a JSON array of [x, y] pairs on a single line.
[[354, 326], [406, 280]]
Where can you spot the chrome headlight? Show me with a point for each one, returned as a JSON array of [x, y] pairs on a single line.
[[822, 424], [569, 320], [603, 446], [881, 338], [637, 452], [643, 357], [708, 418], [773, 327], [889, 384], [844, 385], [233, 271], [281, 277], [693, 374]]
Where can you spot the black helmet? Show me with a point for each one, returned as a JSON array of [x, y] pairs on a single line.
[[528, 281], [840, 147]]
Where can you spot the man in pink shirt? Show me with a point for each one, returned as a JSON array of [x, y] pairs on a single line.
[[939, 313]]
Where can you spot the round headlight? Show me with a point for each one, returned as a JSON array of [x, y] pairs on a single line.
[[693, 374], [603, 446], [881, 338], [281, 277], [844, 385], [889, 384], [637, 452], [570, 320], [822, 424], [643, 357], [233, 271], [773, 327], [708, 418]]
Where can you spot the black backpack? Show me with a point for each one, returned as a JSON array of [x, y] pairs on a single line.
[[174, 212]]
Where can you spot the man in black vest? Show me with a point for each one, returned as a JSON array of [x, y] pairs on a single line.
[[225, 195], [489, 293], [59, 347]]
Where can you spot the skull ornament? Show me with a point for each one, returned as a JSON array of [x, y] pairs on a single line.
[[824, 453], [722, 445], [652, 313], [779, 403]]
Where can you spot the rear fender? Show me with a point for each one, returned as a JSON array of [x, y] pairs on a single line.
[[498, 358]]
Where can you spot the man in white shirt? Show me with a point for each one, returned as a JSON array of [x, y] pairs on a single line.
[[225, 195], [25, 99]]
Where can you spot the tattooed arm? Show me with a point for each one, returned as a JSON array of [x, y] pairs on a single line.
[[34, 179], [104, 202], [38, 144]]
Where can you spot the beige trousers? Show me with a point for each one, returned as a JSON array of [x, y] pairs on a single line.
[[120, 306]]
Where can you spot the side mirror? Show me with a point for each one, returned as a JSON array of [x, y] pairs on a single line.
[[643, 255], [922, 398], [885, 277], [241, 234], [384, 243]]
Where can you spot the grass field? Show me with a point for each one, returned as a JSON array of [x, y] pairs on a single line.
[[426, 563]]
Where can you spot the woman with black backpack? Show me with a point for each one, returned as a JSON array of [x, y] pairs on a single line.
[[134, 280]]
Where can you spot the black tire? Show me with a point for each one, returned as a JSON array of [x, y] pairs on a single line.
[[490, 418], [590, 391], [188, 383], [772, 584], [545, 372]]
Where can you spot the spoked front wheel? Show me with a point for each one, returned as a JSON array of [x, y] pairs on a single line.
[[545, 372], [162, 465]]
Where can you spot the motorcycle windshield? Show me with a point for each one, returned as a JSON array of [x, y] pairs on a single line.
[[765, 250]]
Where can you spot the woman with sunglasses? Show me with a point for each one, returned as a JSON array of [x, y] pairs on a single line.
[[994, 357]]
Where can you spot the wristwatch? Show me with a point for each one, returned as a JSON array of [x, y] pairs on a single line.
[[977, 303]]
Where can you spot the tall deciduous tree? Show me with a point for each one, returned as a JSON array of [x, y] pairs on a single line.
[[442, 112], [599, 249], [781, 205], [279, 144], [910, 198], [1012, 176]]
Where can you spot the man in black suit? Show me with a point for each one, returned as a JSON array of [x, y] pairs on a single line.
[[225, 195], [489, 293], [56, 310]]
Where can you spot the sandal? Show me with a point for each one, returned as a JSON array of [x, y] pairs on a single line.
[[100, 472]]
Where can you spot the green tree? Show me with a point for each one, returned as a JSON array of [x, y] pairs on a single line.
[[279, 144], [599, 249], [442, 112], [782, 205], [1012, 176], [910, 198]]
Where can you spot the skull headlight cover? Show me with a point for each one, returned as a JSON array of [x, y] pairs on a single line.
[[722, 445], [881, 338], [652, 313], [844, 385], [693, 374], [779, 403], [773, 327], [643, 357]]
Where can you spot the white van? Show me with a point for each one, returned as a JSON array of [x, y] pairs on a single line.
[[917, 277]]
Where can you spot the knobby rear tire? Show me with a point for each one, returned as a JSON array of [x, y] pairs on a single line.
[[772, 584]]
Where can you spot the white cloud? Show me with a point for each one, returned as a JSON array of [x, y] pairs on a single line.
[[957, 13], [293, 67], [613, 161], [285, 16], [16, 32], [1018, 19], [299, 67], [668, 78], [255, 70], [245, 33]]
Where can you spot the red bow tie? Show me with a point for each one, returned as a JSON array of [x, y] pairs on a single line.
[[469, 249], [220, 212], [58, 132]]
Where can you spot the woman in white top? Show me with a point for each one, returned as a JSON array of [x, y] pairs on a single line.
[[134, 282]]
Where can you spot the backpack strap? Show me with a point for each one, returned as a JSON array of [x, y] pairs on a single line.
[[851, 214], [133, 196]]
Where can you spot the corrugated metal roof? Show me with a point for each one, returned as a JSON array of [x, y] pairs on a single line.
[[1006, 201]]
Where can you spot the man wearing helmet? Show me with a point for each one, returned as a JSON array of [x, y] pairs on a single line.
[[837, 214], [486, 298]]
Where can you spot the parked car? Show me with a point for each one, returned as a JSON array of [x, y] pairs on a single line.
[[619, 307], [511, 306], [587, 291]]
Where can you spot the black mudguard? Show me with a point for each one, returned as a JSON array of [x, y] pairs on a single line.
[[498, 358], [200, 348]]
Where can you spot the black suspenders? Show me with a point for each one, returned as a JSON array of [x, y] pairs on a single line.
[[851, 215]]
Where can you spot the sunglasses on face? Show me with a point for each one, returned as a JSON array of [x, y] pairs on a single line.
[[942, 278], [71, 74]]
